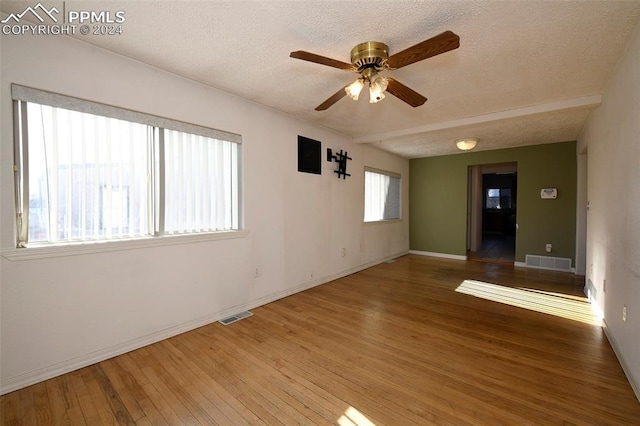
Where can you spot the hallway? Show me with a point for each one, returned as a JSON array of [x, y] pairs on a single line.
[[495, 249]]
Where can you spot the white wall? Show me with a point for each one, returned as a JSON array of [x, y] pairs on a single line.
[[60, 313], [581, 215], [612, 140]]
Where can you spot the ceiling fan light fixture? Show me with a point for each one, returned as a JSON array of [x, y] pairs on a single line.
[[375, 96], [377, 88], [381, 83], [466, 144], [353, 90]]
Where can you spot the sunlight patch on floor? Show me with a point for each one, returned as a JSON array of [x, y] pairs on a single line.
[[560, 305], [353, 417]]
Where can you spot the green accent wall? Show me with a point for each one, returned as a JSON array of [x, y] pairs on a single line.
[[438, 199]]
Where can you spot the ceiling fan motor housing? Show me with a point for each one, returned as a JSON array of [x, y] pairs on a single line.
[[370, 54]]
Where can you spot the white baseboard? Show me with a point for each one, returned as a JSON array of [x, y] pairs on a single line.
[[616, 349], [442, 255], [36, 376]]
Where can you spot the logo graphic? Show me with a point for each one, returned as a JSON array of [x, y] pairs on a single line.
[[70, 22], [34, 12]]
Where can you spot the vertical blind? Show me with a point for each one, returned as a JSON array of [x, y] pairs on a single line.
[[87, 176], [200, 183], [84, 176]]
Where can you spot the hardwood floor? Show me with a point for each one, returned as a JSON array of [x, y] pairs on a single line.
[[395, 344], [496, 249]]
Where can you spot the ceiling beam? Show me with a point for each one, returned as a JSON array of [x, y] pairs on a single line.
[[591, 101]]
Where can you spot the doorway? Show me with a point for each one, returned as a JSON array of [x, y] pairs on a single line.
[[492, 213]]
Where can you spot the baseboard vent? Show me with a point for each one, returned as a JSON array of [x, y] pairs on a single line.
[[234, 318], [548, 262]]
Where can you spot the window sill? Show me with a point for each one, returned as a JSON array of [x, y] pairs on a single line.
[[75, 249], [380, 222]]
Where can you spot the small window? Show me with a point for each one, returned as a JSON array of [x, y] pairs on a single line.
[[498, 198], [381, 195]]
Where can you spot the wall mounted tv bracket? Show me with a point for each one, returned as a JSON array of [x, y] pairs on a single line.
[[340, 158]]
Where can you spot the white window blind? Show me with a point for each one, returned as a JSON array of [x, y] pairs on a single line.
[[381, 195], [201, 189], [85, 176]]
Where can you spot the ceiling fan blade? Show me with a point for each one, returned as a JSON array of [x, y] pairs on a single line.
[[428, 48], [332, 100], [405, 94], [322, 60]]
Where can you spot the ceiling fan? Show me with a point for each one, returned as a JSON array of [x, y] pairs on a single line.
[[370, 58]]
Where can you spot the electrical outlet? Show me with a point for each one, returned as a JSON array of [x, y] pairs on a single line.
[[548, 247], [624, 313], [343, 252]]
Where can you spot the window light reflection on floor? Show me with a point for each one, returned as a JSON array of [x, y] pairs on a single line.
[[560, 305], [353, 417]]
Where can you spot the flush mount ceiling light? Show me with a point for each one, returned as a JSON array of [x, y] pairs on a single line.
[[466, 144]]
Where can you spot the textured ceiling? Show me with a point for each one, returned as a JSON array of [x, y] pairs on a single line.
[[526, 72]]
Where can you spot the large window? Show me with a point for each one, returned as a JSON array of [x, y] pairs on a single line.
[[381, 195], [89, 172]]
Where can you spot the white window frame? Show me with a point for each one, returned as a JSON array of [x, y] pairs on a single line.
[[22, 95], [399, 200]]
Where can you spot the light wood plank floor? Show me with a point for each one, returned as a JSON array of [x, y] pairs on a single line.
[[395, 344]]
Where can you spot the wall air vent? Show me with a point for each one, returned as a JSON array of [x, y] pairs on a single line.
[[548, 262], [234, 318]]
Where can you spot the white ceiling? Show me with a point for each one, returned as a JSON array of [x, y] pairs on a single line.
[[526, 72]]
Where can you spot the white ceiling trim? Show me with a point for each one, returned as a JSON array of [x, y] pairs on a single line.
[[591, 101]]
